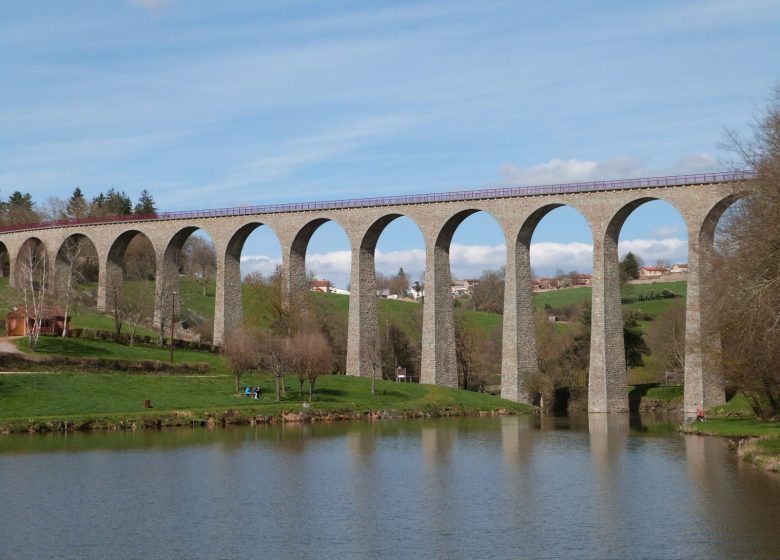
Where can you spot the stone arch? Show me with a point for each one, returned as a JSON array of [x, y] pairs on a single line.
[[5, 261], [619, 218], [168, 298], [31, 263], [363, 330], [114, 271], [706, 233], [439, 364], [76, 252], [520, 360], [229, 313], [296, 258], [704, 386], [608, 378]]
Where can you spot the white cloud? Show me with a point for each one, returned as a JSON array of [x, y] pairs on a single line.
[[672, 249], [259, 263], [666, 231], [548, 256], [469, 261], [412, 261], [574, 170]]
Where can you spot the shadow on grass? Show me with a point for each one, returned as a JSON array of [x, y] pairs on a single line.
[[328, 391], [70, 347]]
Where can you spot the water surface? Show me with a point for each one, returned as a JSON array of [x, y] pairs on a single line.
[[603, 486]]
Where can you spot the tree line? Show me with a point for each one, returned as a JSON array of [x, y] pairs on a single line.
[[21, 208]]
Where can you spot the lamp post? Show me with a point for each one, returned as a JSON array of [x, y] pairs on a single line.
[[173, 311]]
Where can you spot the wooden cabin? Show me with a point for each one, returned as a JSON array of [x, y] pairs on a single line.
[[19, 323]]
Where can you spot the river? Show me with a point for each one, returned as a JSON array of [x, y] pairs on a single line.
[[598, 486]]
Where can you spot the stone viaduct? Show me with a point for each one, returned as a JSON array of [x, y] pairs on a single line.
[[700, 199]]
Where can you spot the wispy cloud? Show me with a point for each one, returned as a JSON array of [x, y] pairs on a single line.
[[573, 170]]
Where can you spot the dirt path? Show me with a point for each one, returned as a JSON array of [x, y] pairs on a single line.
[[7, 345]]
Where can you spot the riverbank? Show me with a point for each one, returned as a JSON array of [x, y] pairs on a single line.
[[755, 441], [42, 402]]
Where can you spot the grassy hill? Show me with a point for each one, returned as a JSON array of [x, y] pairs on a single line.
[[406, 314]]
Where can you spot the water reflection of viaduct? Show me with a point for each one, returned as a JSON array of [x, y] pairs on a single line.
[[700, 199]]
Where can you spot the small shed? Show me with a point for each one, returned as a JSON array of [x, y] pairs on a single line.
[[19, 322]]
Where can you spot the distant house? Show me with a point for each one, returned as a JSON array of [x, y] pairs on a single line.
[[581, 279], [463, 287], [548, 283], [679, 269], [652, 271], [417, 291], [384, 293], [320, 286], [19, 323], [339, 291]]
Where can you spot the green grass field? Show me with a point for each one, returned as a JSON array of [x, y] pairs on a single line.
[[63, 396], [88, 348]]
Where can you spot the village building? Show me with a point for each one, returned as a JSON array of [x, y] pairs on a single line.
[[679, 269], [19, 322], [463, 287], [320, 286], [581, 279], [652, 272]]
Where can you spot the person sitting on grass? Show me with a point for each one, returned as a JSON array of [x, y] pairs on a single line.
[[248, 391], [258, 392], [700, 415]]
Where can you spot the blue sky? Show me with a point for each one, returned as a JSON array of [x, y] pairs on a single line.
[[222, 104]]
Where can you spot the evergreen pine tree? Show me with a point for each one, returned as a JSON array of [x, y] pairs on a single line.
[[145, 203], [77, 206]]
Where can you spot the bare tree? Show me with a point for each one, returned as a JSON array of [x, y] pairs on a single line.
[[314, 357], [242, 353], [466, 348], [747, 286], [138, 306], [374, 357], [33, 276], [70, 253], [489, 293], [201, 260], [55, 208], [279, 357], [115, 300], [666, 337]]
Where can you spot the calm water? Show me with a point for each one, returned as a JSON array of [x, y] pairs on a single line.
[[588, 487]]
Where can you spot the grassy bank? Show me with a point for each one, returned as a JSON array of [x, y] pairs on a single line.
[[38, 401], [755, 440]]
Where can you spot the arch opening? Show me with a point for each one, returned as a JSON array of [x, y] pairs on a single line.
[[320, 275], [557, 243], [32, 266], [130, 291], [471, 285], [5, 263], [653, 252], [253, 282], [395, 247], [76, 273], [187, 294]]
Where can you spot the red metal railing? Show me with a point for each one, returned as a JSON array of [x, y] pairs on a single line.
[[501, 192]]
